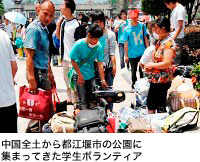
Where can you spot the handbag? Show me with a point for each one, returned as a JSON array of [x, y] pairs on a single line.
[[35, 106], [72, 75], [62, 122], [182, 120]]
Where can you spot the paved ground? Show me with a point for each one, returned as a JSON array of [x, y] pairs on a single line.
[[119, 84]]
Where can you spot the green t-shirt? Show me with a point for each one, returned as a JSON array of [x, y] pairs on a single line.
[[80, 52]]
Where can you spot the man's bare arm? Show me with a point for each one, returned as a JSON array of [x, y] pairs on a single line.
[[30, 69], [14, 68]]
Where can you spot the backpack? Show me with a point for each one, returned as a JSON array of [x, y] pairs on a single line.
[[62, 122], [80, 32], [182, 120], [91, 121]]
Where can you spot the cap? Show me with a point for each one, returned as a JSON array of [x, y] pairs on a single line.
[[133, 13]]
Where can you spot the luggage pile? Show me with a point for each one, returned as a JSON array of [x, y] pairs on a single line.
[[94, 120], [183, 113], [138, 120], [182, 106], [182, 102]]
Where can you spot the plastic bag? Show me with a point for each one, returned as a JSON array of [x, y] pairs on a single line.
[[147, 56], [141, 100], [142, 87], [71, 75], [157, 121], [126, 112], [126, 75]]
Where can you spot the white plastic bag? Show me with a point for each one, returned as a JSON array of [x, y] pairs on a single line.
[[126, 112], [142, 87], [147, 56], [141, 100], [185, 87], [126, 75]]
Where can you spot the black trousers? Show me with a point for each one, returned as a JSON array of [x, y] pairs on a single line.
[[134, 64], [85, 94], [157, 96], [8, 119]]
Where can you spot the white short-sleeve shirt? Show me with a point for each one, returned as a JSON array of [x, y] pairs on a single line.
[[7, 92], [69, 40], [177, 14], [8, 29]]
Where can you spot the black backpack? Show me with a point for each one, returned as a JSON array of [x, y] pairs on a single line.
[[80, 32], [91, 121]]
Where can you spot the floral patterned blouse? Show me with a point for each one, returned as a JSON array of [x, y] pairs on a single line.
[[162, 75]]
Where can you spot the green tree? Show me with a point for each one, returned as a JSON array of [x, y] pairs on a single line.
[[1, 8], [191, 8], [157, 7], [117, 5], [154, 7]]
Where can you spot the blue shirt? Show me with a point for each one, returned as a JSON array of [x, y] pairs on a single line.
[[121, 31], [37, 39], [80, 52], [134, 36]]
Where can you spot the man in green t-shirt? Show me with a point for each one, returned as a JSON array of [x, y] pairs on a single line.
[[88, 50]]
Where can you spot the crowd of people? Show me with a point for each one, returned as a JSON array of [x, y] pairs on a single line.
[[89, 45]]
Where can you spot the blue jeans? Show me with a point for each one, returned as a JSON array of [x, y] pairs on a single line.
[[121, 52], [85, 94], [109, 80]]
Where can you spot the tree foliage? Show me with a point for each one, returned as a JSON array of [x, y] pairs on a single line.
[[1, 8], [191, 8], [157, 7], [154, 7], [117, 5]]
